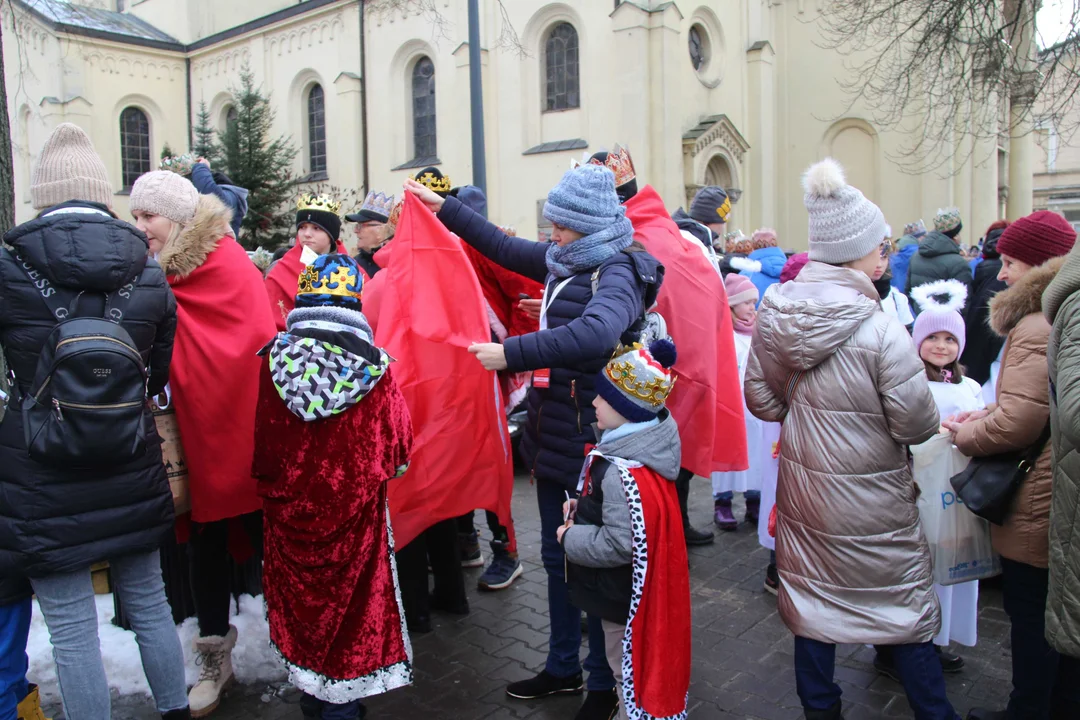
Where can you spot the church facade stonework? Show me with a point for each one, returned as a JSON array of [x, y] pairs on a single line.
[[729, 92]]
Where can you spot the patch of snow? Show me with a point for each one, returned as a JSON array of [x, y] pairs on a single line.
[[253, 659]]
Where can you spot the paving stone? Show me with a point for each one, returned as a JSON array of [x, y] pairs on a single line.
[[742, 652]]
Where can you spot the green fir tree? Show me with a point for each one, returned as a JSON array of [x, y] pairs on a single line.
[[166, 152], [206, 144], [260, 163]]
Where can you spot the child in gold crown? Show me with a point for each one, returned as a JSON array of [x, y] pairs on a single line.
[[333, 429], [624, 537]]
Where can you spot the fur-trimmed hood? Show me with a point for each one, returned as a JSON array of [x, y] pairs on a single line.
[[1013, 304], [198, 238]]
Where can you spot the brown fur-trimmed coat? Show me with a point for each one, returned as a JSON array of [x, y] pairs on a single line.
[[189, 250], [1020, 414]]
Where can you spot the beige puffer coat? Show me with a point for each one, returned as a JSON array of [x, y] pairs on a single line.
[[1061, 304], [1020, 414], [853, 561]]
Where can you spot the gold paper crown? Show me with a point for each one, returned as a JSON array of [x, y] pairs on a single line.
[[623, 375], [619, 162], [322, 203], [343, 282], [433, 183], [394, 217]]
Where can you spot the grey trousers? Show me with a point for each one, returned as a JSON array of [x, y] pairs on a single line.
[[613, 637]]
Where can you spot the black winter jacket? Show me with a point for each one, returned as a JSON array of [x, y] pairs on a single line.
[[52, 520], [938, 258], [583, 331], [982, 345]]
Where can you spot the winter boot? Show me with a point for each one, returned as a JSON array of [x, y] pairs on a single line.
[[753, 509], [723, 517], [311, 707], [598, 705], [471, 556], [181, 714], [772, 580], [30, 707], [503, 570], [213, 657]]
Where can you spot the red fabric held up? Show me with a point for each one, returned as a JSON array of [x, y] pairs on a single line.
[[707, 399], [430, 310], [223, 319], [282, 280]]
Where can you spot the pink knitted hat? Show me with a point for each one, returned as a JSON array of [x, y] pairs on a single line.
[[739, 289], [941, 303]]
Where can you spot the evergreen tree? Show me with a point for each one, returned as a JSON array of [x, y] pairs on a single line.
[[206, 144], [167, 152], [254, 160]]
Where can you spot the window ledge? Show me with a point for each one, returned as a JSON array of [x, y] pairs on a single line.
[[557, 146], [312, 177], [561, 110], [123, 191], [418, 163]]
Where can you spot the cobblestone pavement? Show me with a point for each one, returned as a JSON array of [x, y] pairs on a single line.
[[742, 651]]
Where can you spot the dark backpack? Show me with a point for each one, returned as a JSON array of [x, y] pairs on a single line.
[[85, 407]]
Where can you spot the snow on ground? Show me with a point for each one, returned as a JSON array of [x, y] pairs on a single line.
[[253, 659]]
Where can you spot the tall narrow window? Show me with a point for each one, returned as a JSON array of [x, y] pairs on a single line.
[[316, 129], [561, 67], [423, 107], [231, 116], [134, 145]]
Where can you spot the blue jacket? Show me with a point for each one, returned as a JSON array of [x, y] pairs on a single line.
[[234, 197], [772, 261], [899, 265], [582, 332]]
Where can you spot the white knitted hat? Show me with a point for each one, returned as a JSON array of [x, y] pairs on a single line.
[[844, 225], [165, 193], [69, 169]]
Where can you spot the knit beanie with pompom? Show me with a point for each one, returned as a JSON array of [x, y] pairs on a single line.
[[844, 225], [940, 304], [1037, 237], [166, 194], [793, 267], [740, 289], [637, 381], [69, 169]]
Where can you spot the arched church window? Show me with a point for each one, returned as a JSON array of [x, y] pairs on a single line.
[[316, 109], [561, 79], [134, 145], [423, 109]]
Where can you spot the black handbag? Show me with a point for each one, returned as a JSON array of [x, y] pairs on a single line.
[[987, 485]]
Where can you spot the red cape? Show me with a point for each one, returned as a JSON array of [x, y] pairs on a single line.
[[707, 399], [430, 310], [502, 290], [223, 319], [282, 281]]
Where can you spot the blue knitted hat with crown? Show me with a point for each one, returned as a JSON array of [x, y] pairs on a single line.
[[637, 381], [333, 280]]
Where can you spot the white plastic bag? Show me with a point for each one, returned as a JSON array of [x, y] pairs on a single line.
[[959, 540]]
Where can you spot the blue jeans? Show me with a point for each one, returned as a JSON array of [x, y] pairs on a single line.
[[14, 631], [564, 646], [918, 666], [729, 496], [67, 602], [1045, 683]]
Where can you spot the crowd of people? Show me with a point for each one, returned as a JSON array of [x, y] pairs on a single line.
[[314, 403]]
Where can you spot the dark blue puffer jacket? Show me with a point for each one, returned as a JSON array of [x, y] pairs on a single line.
[[583, 331]]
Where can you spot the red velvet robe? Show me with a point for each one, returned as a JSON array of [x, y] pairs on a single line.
[[328, 573]]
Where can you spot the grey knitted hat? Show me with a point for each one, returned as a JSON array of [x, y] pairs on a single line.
[[585, 200], [844, 225], [165, 193], [711, 205], [69, 169]]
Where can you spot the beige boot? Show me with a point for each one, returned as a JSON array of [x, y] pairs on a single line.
[[214, 660]]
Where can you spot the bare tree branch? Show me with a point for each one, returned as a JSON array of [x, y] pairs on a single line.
[[949, 73], [507, 39]]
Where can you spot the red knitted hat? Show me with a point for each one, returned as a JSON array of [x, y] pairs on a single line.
[[1036, 238]]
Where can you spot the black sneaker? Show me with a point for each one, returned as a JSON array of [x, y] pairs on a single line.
[[949, 663], [772, 580], [544, 685], [697, 537], [979, 713], [598, 705]]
